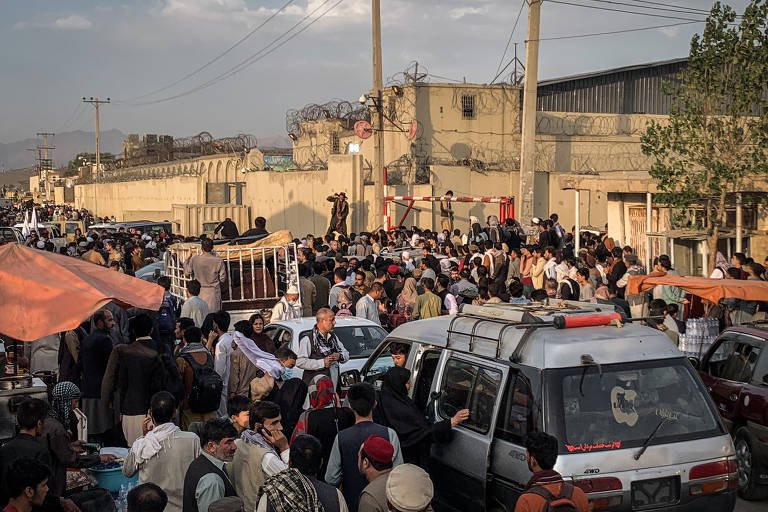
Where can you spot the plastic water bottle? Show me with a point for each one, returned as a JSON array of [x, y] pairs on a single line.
[[123, 498]]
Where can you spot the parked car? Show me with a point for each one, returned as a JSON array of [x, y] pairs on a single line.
[[636, 426], [9, 234], [735, 371], [358, 335], [68, 228]]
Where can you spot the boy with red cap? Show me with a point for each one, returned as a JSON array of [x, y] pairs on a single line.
[[375, 462]]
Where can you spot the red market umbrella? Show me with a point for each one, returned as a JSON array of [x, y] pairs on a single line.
[[710, 289], [42, 293]]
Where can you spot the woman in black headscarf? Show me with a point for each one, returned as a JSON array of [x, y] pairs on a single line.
[[396, 410], [291, 399]]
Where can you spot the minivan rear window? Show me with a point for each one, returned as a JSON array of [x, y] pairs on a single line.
[[619, 406]]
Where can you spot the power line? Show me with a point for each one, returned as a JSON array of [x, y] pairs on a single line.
[[219, 56], [622, 10], [253, 58], [576, 36], [76, 113], [702, 11], [681, 10], [512, 33], [445, 77]]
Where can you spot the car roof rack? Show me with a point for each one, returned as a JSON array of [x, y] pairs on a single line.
[[511, 316]]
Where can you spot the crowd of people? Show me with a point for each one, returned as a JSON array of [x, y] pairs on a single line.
[[215, 419]]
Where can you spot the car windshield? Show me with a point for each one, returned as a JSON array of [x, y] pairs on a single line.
[[619, 406], [360, 341]]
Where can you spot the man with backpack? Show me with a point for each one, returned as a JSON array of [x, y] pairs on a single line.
[[202, 384], [166, 318], [546, 490]]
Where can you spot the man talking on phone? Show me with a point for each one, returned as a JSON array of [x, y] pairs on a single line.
[[262, 452], [321, 352]]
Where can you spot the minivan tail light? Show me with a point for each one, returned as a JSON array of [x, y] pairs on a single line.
[[604, 484], [713, 477], [601, 485]]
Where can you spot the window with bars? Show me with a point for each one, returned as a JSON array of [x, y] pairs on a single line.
[[335, 147], [468, 107]]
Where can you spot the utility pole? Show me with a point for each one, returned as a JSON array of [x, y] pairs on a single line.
[[45, 162], [96, 102], [378, 129], [528, 143]]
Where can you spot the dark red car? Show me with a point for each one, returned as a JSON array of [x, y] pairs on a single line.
[[735, 371]]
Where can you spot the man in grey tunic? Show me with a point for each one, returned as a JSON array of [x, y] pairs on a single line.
[[211, 272]]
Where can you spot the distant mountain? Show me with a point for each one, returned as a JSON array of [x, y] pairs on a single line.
[[274, 142], [14, 155]]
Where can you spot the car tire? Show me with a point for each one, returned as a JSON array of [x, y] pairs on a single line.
[[749, 468]]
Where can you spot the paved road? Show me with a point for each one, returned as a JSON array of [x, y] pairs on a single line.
[[751, 506]]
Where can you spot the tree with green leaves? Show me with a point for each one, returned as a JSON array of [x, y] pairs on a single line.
[[715, 143], [82, 159]]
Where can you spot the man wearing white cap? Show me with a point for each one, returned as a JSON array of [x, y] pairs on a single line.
[[409, 489], [289, 306]]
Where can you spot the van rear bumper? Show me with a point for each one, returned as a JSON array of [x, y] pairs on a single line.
[[724, 502]]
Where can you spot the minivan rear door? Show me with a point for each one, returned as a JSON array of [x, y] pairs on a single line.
[[460, 467]]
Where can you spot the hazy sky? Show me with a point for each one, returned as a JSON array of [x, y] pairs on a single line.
[[54, 52]]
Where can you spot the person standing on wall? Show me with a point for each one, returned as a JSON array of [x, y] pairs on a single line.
[[446, 212], [339, 213]]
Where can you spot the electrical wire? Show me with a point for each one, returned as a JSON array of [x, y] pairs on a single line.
[[76, 113], [682, 10], [512, 33], [622, 10], [250, 60], [445, 78], [219, 56], [577, 36], [702, 11]]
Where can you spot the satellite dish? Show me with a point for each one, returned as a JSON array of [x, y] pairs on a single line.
[[363, 129], [414, 130]]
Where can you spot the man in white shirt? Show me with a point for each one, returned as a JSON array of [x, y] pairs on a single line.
[[550, 270], [262, 452], [222, 353], [369, 305], [194, 307], [339, 279], [406, 259], [163, 454], [321, 351], [449, 303], [289, 305]]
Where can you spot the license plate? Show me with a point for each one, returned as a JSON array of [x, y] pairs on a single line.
[[655, 493]]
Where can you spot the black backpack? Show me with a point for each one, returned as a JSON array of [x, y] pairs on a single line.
[[563, 502], [207, 385]]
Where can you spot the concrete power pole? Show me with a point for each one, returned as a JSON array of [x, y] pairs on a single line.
[[528, 143], [96, 102], [45, 165], [378, 133]]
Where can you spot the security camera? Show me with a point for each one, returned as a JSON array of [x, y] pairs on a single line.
[[363, 99]]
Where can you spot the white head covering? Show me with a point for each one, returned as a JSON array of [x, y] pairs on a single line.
[[258, 357], [292, 289]]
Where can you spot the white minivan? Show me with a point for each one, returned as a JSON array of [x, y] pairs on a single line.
[[636, 426]]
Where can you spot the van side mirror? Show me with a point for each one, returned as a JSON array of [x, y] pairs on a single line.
[[695, 362], [348, 378]]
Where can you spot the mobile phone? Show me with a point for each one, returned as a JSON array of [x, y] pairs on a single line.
[[263, 432]]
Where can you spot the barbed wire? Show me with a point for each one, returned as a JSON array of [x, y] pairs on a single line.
[[586, 125], [345, 111]]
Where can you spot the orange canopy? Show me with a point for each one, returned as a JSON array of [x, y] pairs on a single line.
[[710, 289], [42, 293]]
